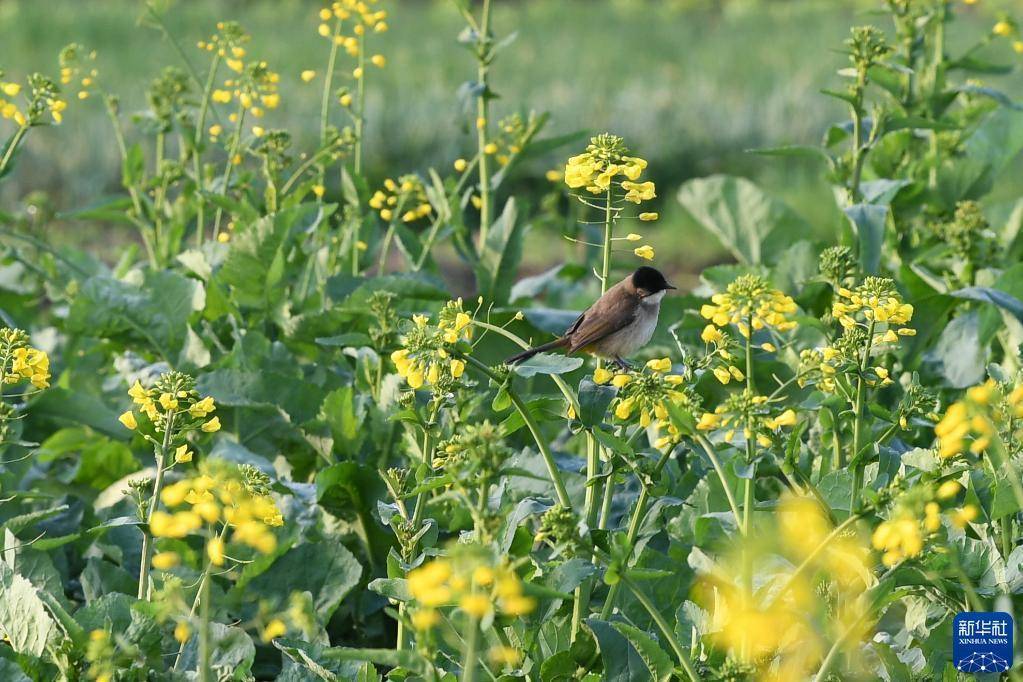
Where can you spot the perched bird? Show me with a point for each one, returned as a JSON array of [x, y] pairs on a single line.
[[618, 324]]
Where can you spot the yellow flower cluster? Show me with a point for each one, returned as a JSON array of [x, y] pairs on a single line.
[[750, 301], [752, 414], [973, 422], [473, 582], [646, 393], [77, 64], [220, 496], [406, 198], [785, 633], [20, 361], [513, 133], [42, 96], [423, 359], [916, 517], [604, 160], [172, 400], [364, 18], [874, 302]]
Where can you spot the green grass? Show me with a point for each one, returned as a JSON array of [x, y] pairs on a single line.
[[691, 90]]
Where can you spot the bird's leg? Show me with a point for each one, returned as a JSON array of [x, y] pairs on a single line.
[[623, 365]]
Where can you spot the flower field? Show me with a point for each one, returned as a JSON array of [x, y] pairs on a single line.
[[278, 432]]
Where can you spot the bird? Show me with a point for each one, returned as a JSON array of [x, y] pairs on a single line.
[[618, 324]]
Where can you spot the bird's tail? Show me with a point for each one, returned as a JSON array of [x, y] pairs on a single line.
[[525, 355]]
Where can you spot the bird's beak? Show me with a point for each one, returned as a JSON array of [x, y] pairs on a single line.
[[671, 286]]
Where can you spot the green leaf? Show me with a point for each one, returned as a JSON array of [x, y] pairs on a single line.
[[133, 167], [546, 363], [1005, 301], [24, 618], [593, 402], [155, 311], [326, 569], [869, 221], [745, 220], [622, 662], [959, 354], [657, 660], [232, 656]]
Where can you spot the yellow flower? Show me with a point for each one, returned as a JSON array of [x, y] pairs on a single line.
[[602, 376], [10, 89], [490, 148], [638, 192], [424, 619], [457, 368], [504, 655], [258, 131], [357, 73], [1002, 28], [168, 401], [182, 454], [323, 30], [378, 60], [215, 551], [461, 165], [711, 334], [1017, 46], [164, 561], [212, 425], [182, 632], [722, 374], [128, 419], [621, 380], [648, 217], [319, 191], [221, 96], [274, 629], [326, 14], [786, 418], [948, 489], [962, 517], [554, 175], [662, 365], [307, 75], [476, 605], [646, 251]]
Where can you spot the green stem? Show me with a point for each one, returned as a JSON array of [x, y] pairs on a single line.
[[154, 503], [16, 139], [226, 179], [666, 630], [360, 99], [205, 648], [719, 470], [582, 593], [471, 644], [328, 80], [552, 467], [483, 122], [858, 465], [200, 182], [638, 512]]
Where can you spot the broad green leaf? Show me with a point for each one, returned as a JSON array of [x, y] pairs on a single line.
[[325, 569], [657, 661], [593, 402], [959, 356], [24, 618], [547, 363], [869, 221], [232, 656], [499, 260], [745, 220], [622, 662]]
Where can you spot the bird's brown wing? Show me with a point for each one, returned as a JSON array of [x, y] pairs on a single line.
[[605, 317]]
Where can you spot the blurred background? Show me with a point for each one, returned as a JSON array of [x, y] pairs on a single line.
[[692, 85]]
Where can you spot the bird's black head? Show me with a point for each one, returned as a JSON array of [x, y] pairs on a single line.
[[649, 281]]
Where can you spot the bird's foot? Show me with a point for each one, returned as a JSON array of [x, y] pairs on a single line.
[[623, 365]]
